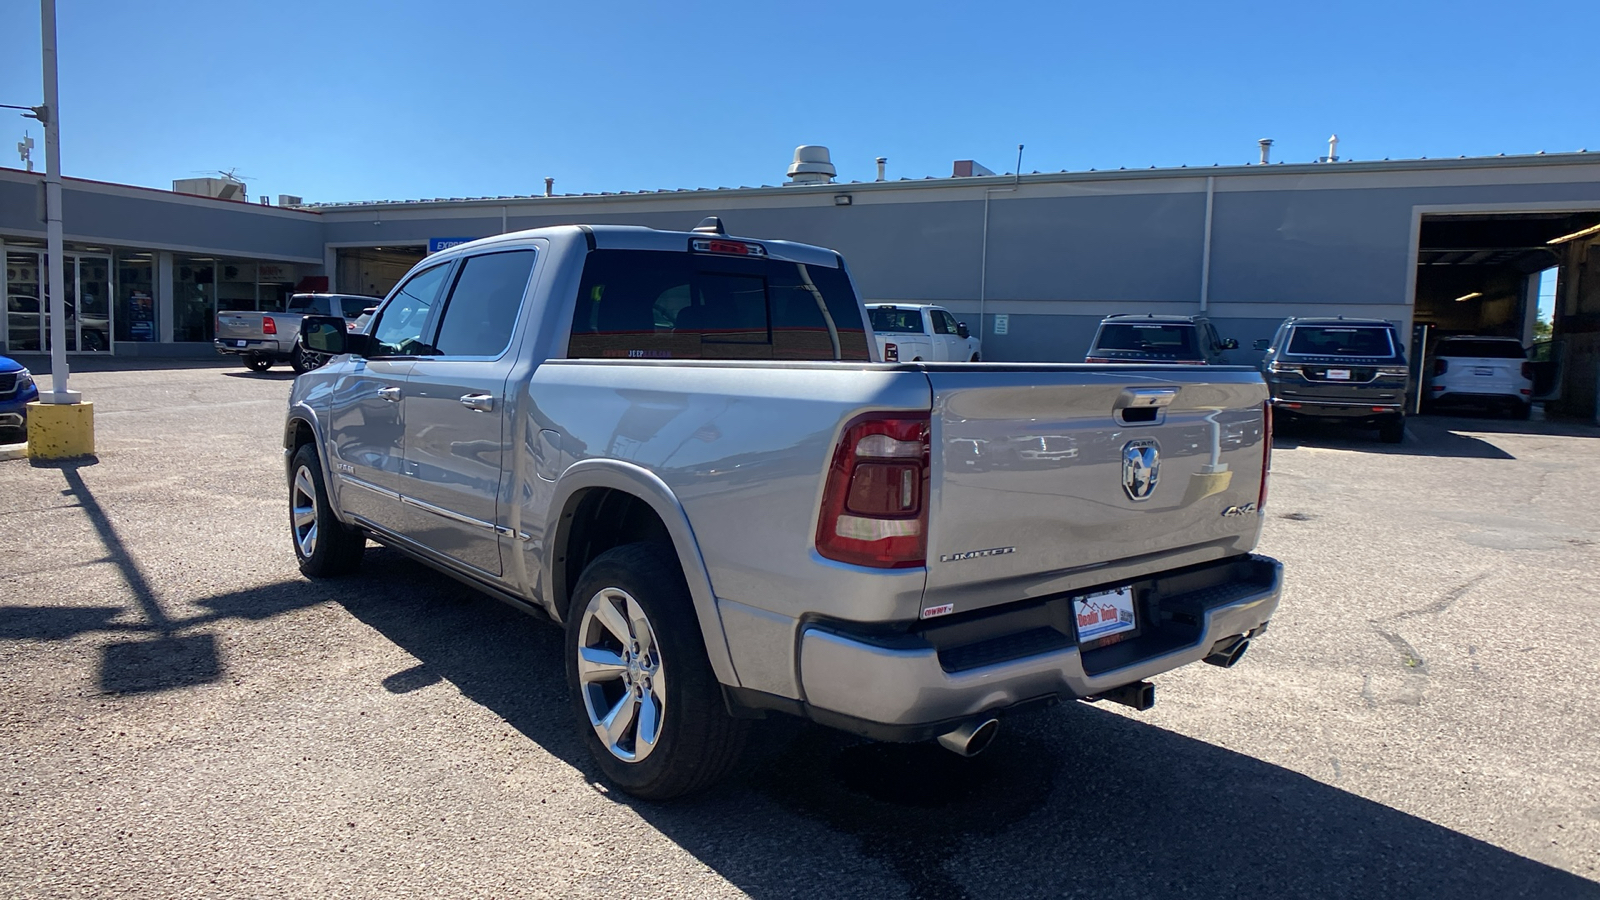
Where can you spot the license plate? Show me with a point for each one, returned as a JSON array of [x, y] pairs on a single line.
[[1338, 374], [1105, 614], [1483, 370], [241, 343]]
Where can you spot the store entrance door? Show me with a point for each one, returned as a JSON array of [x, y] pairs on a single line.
[[89, 302]]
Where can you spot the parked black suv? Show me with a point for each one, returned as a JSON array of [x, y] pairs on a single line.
[[1164, 339], [1351, 371]]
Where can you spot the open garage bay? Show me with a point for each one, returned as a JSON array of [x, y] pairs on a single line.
[[182, 713]]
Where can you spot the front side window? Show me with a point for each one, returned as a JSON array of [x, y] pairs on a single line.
[[398, 331], [652, 304], [1328, 340], [943, 322], [484, 303]]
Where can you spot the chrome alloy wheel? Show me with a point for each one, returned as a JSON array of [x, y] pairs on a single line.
[[619, 670], [303, 511]]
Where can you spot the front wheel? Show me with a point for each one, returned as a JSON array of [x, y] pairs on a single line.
[[975, 358], [323, 545], [647, 702], [258, 363]]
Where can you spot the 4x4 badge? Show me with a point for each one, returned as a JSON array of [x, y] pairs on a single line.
[[1141, 468]]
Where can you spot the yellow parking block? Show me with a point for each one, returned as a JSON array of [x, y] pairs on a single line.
[[60, 430]]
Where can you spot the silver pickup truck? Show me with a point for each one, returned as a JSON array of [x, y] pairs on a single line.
[[260, 339], [678, 446]]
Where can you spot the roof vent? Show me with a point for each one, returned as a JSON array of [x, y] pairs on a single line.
[[811, 165], [969, 168], [713, 224]]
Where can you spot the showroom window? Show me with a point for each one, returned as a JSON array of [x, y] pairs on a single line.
[[194, 294], [136, 296]]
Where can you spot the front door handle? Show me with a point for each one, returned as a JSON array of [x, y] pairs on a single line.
[[478, 402], [391, 394]]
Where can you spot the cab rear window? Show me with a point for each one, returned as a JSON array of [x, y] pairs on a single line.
[[1148, 338], [652, 304], [1464, 349], [898, 321], [1329, 340]]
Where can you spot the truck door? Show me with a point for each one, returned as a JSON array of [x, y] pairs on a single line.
[[456, 427], [947, 343], [366, 417]]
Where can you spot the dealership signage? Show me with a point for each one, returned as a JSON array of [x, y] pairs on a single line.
[[437, 244]]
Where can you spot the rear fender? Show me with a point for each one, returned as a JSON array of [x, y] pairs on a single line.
[[644, 484]]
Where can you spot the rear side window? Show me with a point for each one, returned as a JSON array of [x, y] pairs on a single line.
[[1329, 340], [651, 304], [898, 321], [1481, 349], [1148, 338], [484, 303], [355, 306]]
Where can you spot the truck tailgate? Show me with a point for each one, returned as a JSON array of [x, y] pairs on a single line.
[[1055, 477], [246, 325]]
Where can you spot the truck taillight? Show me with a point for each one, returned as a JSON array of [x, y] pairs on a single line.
[[875, 500], [891, 352], [1266, 453], [268, 326]]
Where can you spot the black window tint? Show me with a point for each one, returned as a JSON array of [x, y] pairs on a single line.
[[398, 329], [301, 303], [355, 306], [483, 305], [1314, 340], [942, 323], [899, 321], [1481, 349], [645, 304], [1148, 338]]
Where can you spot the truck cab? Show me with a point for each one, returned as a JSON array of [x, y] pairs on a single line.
[[920, 332]]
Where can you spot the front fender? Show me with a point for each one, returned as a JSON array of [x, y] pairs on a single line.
[[303, 412], [644, 484]]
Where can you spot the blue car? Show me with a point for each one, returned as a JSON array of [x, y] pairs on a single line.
[[17, 390]]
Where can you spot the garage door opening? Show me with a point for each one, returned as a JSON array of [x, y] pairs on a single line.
[[1482, 274], [375, 270]]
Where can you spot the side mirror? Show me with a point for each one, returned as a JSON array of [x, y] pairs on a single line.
[[961, 329], [1263, 344], [328, 334]]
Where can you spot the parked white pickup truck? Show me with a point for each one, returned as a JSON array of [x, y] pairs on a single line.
[[919, 332], [679, 447], [264, 338]]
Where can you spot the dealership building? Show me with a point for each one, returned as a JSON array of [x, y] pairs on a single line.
[[1033, 262]]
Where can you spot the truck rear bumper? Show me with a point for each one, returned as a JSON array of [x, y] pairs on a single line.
[[243, 347], [912, 686]]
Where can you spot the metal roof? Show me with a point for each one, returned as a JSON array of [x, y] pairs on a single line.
[[1279, 168]]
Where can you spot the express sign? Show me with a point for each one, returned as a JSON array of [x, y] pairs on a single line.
[[437, 244]]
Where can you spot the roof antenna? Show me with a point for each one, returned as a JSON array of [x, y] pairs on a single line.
[[1018, 180], [710, 225]]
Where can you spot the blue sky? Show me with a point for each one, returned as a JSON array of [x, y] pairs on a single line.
[[346, 100]]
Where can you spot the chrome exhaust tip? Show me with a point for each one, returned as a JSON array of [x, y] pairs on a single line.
[[971, 738], [1227, 654]]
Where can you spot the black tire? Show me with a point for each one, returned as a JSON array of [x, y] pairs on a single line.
[[94, 341], [1522, 412], [258, 363], [333, 549], [975, 358], [698, 742], [304, 360], [1393, 431]]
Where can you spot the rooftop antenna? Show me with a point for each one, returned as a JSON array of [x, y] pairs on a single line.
[[25, 150], [1018, 178]]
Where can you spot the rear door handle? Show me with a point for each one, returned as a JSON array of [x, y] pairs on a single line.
[[391, 394], [479, 402]]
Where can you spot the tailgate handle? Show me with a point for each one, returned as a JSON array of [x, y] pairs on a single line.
[[1144, 406], [1140, 398]]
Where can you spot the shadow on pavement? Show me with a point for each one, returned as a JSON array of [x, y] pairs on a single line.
[[1423, 438], [269, 375], [1488, 423], [1074, 801]]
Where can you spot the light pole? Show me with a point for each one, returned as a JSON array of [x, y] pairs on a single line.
[[60, 425]]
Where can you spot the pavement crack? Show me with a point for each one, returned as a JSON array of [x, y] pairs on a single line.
[[1443, 603]]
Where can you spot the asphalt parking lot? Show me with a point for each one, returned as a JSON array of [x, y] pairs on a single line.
[[183, 714]]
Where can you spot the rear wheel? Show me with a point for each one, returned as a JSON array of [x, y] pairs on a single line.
[[647, 702], [304, 360], [975, 358], [1393, 431], [1523, 411], [258, 363], [323, 545]]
